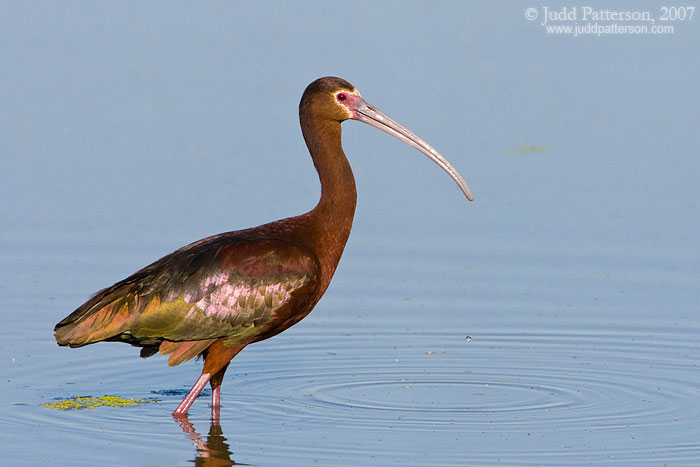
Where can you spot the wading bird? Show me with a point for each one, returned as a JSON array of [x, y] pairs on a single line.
[[215, 296]]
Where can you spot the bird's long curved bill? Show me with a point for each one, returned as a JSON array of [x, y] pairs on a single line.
[[373, 116]]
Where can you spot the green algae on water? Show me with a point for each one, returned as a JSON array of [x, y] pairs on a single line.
[[528, 149], [91, 402]]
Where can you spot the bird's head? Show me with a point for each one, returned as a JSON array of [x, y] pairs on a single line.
[[335, 100], [330, 98]]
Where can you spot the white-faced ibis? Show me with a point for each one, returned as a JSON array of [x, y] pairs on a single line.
[[215, 296]]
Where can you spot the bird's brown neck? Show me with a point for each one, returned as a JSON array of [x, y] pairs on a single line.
[[331, 220]]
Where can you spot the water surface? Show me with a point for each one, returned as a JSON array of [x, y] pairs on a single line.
[[554, 321]]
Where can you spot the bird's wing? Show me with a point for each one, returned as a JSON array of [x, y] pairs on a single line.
[[217, 287]]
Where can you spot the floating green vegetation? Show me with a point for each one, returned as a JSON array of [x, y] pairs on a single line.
[[90, 402], [529, 148]]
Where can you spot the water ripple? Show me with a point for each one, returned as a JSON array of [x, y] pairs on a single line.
[[545, 389], [585, 382]]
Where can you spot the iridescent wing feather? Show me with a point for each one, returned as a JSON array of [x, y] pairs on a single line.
[[223, 286]]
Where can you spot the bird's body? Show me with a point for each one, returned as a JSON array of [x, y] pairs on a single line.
[[219, 294]]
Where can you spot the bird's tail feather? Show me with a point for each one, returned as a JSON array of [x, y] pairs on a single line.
[[82, 328]]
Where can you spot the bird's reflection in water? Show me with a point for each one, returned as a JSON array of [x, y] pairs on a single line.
[[212, 452]]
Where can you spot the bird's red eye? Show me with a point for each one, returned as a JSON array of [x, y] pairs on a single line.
[[342, 96]]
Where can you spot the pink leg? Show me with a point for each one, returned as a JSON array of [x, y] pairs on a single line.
[[194, 392], [216, 397], [215, 404], [215, 382]]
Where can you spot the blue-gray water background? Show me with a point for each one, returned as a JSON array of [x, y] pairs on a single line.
[[128, 129]]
